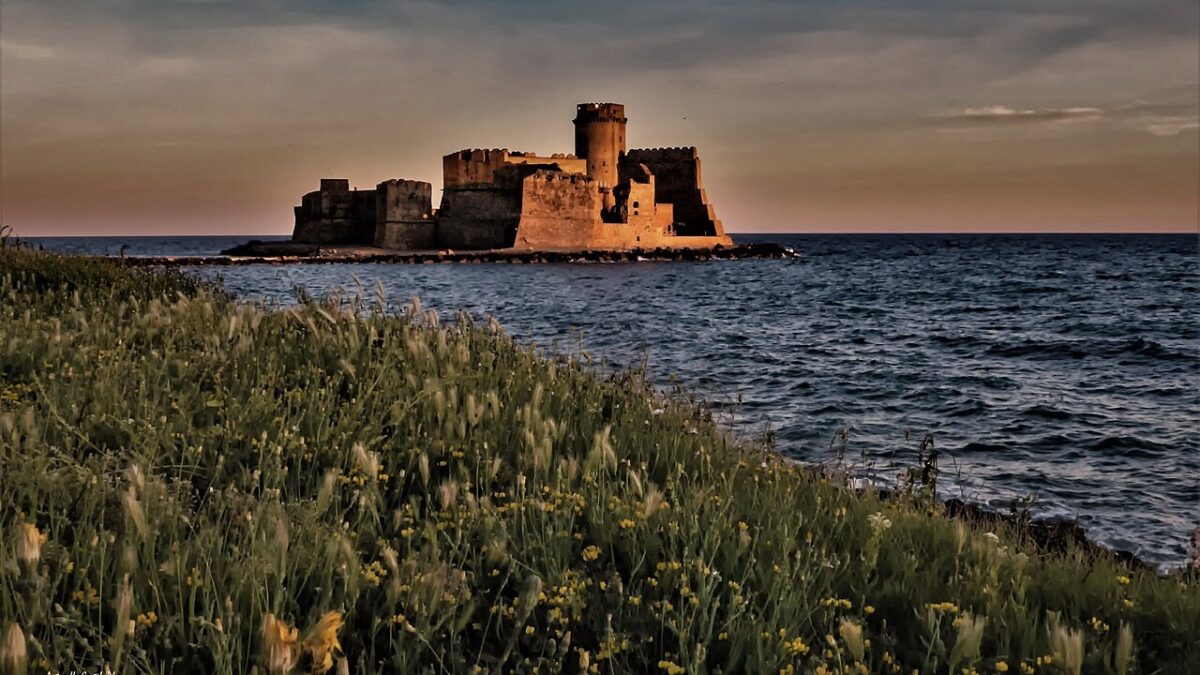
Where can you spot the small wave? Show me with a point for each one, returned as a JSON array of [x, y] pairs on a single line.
[[1054, 442], [1128, 446], [1146, 347], [1170, 392], [967, 408], [1044, 349], [959, 340], [1035, 290], [1048, 412], [984, 447]]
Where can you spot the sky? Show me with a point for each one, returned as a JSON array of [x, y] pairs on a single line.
[[213, 116]]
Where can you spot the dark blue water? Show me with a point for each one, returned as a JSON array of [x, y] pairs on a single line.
[[1066, 368], [147, 246]]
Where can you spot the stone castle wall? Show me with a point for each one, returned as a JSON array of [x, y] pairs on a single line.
[[479, 217], [558, 211], [677, 181], [404, 215], [335, 214], [471, 167]]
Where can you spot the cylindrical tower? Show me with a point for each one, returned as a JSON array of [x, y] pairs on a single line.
[[600, 139]]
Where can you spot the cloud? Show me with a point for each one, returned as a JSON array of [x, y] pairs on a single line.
[[1156, 119], [25, 51], [1161, 119], [1173, 128], [999, 114]]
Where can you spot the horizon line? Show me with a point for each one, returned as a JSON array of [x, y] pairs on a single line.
[[17, 235]]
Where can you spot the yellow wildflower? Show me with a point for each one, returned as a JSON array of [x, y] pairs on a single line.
[[591, 553], [796, 647], [671, 667], [322, 641]]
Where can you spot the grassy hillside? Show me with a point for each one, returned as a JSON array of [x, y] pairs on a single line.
[[194, 485]]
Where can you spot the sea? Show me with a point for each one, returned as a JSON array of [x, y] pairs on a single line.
[[1058, 374]]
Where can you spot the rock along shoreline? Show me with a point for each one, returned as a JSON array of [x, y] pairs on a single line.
[[279, 253]]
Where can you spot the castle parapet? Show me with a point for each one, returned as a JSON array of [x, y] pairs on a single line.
[[600, 112], [664, 154], [335, 185]]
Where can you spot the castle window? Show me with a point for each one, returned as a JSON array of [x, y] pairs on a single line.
[[635, 205]]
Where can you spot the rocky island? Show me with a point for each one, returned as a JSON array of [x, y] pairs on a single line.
[[604, 197]]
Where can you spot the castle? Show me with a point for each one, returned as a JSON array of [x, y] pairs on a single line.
[[602, 197]]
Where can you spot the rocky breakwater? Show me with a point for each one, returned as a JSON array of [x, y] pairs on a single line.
[[275, 253]]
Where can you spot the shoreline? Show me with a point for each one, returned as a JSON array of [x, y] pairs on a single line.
[[278, 253]]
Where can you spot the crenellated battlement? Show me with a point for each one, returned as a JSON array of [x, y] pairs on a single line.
[[402, 184], [545, 176], [335, 185], [600, 112], [663, 154], [480, 154]]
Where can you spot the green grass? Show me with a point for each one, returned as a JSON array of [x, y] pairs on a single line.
[[200, 468]]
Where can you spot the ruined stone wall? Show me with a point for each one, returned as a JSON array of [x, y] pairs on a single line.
[[404, 210], [335, 214], [677, 182], [480, 217]]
